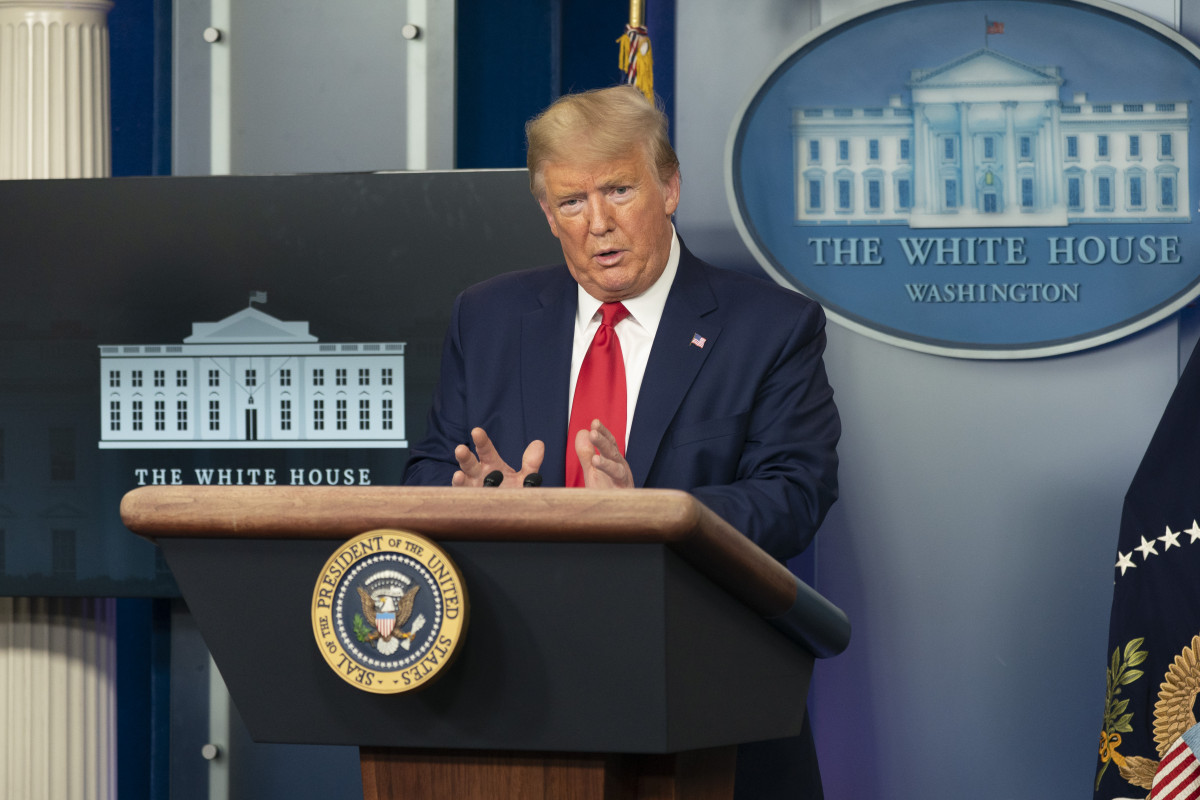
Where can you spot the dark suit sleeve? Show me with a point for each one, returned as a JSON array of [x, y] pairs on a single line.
[[786, 475], [431, 461]]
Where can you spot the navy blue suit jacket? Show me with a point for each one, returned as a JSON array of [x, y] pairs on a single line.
[[746, 422]]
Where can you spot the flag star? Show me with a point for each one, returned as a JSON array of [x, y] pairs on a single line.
[[1125, 561], [1147, 549], [1170, 539], [1193, 532]]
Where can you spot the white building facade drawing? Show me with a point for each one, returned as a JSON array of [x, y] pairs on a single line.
[[252, 381], [987, 142]]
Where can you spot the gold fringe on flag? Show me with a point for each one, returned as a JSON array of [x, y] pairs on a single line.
[[635, 59]]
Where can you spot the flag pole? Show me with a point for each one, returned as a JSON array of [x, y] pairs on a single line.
[[635, 59]]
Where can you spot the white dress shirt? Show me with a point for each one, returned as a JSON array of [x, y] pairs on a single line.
[[635, 332]]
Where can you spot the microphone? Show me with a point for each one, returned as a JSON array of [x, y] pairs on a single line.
[[493, 478], [533, 479]]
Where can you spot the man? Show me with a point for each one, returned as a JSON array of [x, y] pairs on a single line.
[[725, 392]]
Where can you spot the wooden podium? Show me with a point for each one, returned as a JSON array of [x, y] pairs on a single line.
[[620, 643]]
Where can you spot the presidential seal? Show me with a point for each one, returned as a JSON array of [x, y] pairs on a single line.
[[389, 611]]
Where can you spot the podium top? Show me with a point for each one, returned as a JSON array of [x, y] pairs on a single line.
[[443, 513]]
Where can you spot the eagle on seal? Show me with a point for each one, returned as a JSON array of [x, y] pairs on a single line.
[[387, 612]]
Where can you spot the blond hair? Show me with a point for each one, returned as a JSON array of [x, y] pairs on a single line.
[[597, 126]]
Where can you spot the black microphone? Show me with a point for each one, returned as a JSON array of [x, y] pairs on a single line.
[[493, 478], [533, 479]]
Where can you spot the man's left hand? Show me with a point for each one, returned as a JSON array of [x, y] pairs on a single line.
[[603, 465]]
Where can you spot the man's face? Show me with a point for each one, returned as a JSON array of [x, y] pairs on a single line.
[[613, 220]]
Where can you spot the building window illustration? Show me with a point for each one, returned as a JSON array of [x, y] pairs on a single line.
[[1104, 187], [160, 378], [273, 398], [62, 454], [1134, 185], [872, 149], [114, 379], [845, 187], [874, 193], [905, 149], [387, 414], [1026, 192], [1072, 148], [814, 151], [951, 193], [1135, 146], [1165, 146], [815, 197], [843, 150], [135, 379], [1166, 189], [948, 149], [903, 194], [1075, 192], [989, 148], [62, 553], [1101, 145], [1025, 148]]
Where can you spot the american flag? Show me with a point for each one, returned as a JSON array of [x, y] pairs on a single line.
[[1178, 775], [698, 340]]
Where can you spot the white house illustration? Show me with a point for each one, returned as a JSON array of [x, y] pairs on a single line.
[[252, 381], [987, 142]]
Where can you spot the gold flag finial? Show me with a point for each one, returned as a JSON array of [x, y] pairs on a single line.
[[635, 58]]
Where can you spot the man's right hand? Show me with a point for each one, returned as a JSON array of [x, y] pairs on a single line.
[[473, 469]]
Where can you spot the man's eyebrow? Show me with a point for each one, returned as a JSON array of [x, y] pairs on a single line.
[[619, 180]]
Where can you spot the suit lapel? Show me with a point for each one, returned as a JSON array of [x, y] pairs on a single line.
[[674, 362], [546, 336]]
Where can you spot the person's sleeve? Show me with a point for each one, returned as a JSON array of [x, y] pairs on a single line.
[[787, 473], [431, 461]]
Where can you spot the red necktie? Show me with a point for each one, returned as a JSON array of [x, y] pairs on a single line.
[[600, 389]]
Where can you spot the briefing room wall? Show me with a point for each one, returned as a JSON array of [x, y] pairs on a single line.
[[974, 538]]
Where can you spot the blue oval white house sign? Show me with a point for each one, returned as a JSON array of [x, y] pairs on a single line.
[[1007, 179]]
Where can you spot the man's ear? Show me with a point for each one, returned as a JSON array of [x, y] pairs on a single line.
[[672, 193], [549, 217]]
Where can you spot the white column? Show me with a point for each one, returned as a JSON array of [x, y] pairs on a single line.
[[967, 158], [1012, 192], [54, 100]]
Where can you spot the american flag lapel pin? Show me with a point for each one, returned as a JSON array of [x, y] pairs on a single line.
[[698, 340]]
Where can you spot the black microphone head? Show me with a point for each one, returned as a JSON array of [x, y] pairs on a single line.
[[493, 478], [533, 479]]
